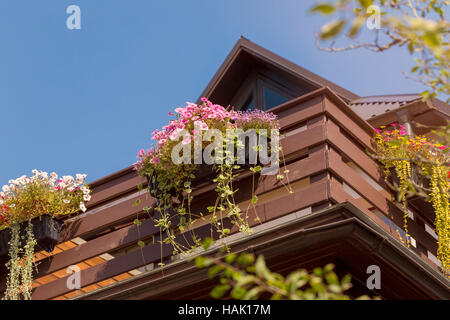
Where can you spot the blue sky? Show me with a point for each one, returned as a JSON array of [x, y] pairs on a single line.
[[85, 101]]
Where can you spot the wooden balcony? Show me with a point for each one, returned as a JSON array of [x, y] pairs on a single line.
[[336, 185]]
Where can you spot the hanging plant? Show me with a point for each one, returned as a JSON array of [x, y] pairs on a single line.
[[29, 212], [418, 166], [206, 142]]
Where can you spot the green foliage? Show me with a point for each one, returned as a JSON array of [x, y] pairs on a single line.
[[243, 278]]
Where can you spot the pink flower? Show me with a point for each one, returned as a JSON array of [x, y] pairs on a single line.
[[187, 140], [140, 153]]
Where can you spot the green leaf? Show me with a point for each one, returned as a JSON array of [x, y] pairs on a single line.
[[252, 294], [238, 292], [141, 243], [356, 25], [219, 291], [323, 8], [213, 271], [331, 29], [137, 202], [332, 278], [230, 258], [346, 279], [394, 143], [202, 262], [207, 243], [254, 199], [137, 222]]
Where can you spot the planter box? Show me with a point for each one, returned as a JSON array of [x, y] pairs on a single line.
[[46, 231]]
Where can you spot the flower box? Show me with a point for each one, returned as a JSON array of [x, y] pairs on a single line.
[[203, 173], [46, 231]]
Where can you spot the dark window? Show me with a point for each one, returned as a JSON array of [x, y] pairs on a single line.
[[272, 98], [249, 103]]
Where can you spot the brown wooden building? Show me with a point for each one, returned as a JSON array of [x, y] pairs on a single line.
[[341, 210]]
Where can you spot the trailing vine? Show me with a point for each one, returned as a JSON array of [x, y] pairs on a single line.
[[13, 283], [421, 167]]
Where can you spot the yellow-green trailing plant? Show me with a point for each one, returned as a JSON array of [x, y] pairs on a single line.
[[421, 168]]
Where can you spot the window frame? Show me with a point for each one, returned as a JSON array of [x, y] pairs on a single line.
[[254, 85]]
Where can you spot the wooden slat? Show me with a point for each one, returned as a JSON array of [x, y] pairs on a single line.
[[112, 241], [359, 134], [381, 202], [351, 151], [303, 139], [104, 218], [301, 112], [126, 184]]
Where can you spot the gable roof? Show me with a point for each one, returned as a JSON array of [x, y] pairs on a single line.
[[229, 76]]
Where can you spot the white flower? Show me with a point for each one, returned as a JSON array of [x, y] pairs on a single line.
[[80, 177], [35, 172], [12, 206], [5, 188], [66, 201], [86, 197], [67, 179], [82, 207], [53, 175], [1, 202], [22, 180], [84, 189]]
